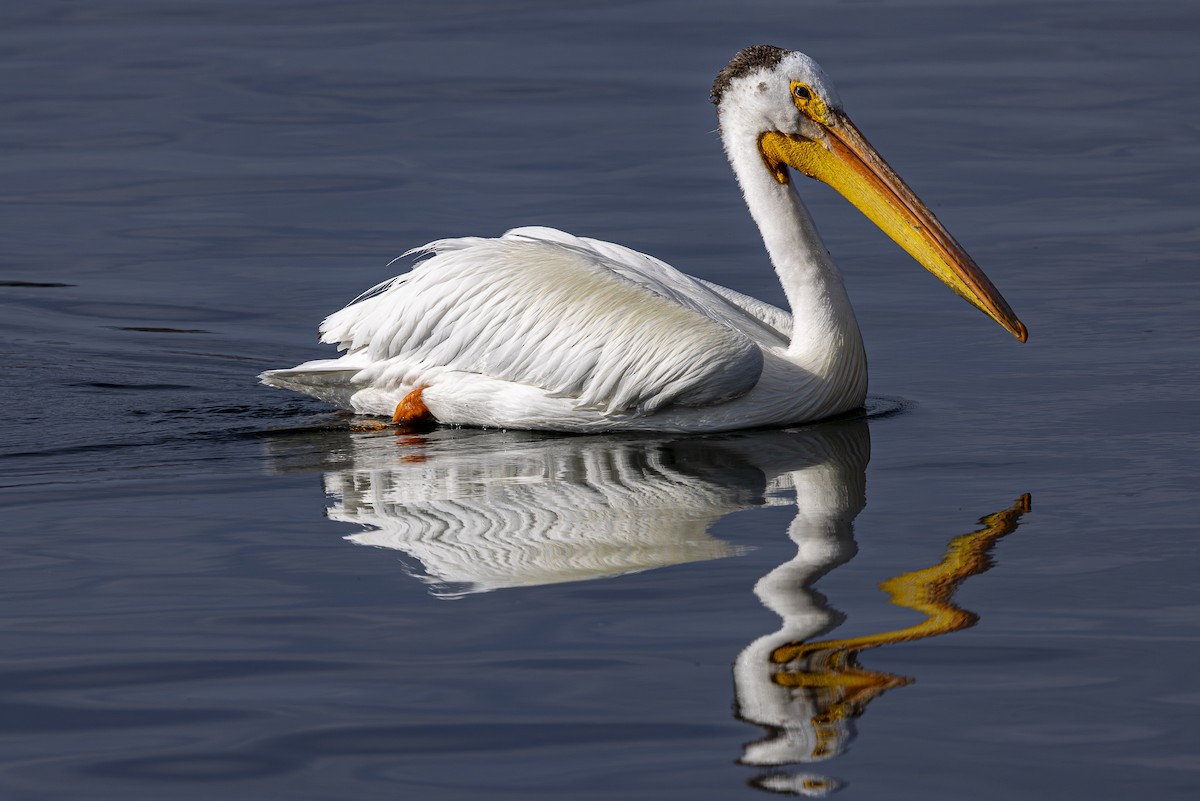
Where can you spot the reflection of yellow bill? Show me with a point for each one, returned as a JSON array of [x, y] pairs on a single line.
[[830, 667]]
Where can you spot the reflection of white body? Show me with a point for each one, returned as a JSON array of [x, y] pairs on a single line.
[[531, 511], [539, 329], [486, 510]]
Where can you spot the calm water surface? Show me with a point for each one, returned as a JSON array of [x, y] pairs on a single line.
[[212, 589]]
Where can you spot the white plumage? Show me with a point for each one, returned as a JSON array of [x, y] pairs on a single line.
[[539, 329]]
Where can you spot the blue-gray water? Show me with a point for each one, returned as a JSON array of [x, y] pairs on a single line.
[[188, 187]]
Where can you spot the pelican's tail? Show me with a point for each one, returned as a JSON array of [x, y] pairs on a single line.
[[328, 380]]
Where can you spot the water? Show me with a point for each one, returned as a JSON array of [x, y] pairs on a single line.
[[211, 588]]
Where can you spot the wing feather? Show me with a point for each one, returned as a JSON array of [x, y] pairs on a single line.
[[609, 327]]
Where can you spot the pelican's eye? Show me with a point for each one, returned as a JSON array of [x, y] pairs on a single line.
[[808, 102]]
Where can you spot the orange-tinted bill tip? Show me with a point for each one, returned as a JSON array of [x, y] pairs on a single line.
[[1022, 333]]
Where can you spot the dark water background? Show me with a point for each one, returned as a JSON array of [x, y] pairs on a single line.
[[188, 187]]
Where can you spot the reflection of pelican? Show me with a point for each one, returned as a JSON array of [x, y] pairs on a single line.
[[484, 510], [543, 330]]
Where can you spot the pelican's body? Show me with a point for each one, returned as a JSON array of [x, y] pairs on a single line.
[[539, 329]]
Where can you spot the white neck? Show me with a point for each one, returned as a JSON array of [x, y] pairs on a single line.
[[825, 335]]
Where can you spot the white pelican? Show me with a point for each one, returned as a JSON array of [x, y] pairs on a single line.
[[539, 329]]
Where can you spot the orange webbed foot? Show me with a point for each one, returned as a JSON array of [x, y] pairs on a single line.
[[412, 414]]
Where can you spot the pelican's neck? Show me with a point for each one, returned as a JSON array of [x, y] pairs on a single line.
[[824, 329]]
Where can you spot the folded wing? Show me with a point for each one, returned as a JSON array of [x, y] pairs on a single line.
[[615, 330]]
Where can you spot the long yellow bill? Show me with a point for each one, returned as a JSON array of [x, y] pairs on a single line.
[[848, 163]]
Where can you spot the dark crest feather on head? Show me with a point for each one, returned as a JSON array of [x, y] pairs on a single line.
[[746, 61]]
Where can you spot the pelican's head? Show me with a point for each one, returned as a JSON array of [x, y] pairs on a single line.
[[785, 99]]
